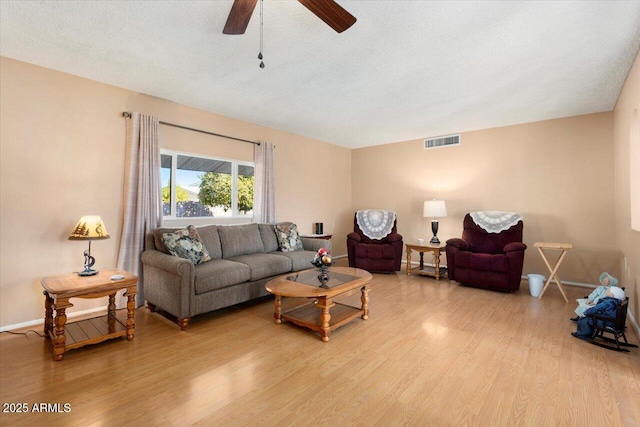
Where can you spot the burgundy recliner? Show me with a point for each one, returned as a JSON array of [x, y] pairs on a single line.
[[377, 256], [487, 260]]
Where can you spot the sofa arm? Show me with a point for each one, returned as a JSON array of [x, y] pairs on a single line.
[[311, 244], [169, 263], [354, 236], [461, 244], [169, 283], [514, 246]]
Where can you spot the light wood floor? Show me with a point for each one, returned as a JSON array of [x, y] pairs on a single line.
[[431, 353]]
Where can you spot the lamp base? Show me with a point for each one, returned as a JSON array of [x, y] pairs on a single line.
[[88, 272], [88, 263], [434, 228]]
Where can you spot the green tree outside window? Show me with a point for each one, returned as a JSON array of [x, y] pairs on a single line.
[[215, 190], [181, 194]]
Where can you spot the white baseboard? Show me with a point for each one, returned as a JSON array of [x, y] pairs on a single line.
[[632, 319], [41, 321], [634, 323], [566, 282]]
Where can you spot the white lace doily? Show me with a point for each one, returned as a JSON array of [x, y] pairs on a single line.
[[495, 221], [375, 224]]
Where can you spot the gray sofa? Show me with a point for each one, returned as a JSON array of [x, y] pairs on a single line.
[[243, 259]]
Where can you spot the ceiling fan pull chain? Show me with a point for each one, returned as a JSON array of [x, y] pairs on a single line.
[[261, 24]]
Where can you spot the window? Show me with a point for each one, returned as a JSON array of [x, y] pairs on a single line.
[[197, 186]]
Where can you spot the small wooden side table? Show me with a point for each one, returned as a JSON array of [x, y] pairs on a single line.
[[436, 271], [563, 247], [59, 290], [318, 236]]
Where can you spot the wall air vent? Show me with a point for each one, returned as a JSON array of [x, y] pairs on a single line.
[[442, 141]]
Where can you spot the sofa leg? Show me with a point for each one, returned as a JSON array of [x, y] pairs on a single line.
[[151, 307], [183, 323]]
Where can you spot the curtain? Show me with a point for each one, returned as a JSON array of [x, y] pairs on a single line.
[[142, 208], [264, 206]]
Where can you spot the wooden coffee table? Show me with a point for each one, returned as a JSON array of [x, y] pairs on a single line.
[[59, 290], [322, 314]]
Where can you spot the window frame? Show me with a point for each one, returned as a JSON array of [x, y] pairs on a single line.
[[235, 164]]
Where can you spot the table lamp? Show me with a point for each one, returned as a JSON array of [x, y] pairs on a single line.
[[90, 227], [434, 209]]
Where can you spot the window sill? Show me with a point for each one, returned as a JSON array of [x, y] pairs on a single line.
[[179, 222]]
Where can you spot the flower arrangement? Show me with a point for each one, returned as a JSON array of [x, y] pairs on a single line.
[[323, 261], [322, 258]]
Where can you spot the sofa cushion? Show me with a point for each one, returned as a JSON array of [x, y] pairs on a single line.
[[264, 265], [374, 251], [218, 274], [288, 237], [300, 260], [211, 239], [482, 262], [239, 240], [269, 239], [186, 244]]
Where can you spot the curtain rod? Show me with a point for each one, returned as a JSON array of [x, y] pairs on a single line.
[[128, 115]]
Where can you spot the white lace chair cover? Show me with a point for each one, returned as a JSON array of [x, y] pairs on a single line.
[[495, 221], [375, 224]]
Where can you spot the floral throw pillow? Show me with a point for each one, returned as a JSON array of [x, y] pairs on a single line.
[[288, 237], [187, 244]]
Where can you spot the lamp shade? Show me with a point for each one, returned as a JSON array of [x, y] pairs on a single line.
[[434, 209], [90, 227]]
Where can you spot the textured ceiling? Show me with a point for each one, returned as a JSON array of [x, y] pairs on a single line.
[[405, 70]]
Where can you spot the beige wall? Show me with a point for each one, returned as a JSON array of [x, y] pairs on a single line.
[[62, 153], [627, 240], [557, 173]]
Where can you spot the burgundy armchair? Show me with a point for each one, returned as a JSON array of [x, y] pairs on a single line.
[[487, 260], [378, 256]]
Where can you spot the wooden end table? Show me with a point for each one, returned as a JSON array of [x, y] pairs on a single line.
[[318, 236], [435, 271], [59, 290], [563, 247]]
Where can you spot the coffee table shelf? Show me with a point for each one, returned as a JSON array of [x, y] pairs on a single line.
[[308, 316], [94, 330], [427, 270]]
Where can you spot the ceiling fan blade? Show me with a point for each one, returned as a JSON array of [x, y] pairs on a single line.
[[239, 16], [331, 13]]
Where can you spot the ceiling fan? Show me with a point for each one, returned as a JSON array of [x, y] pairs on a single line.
[[328, 10]]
